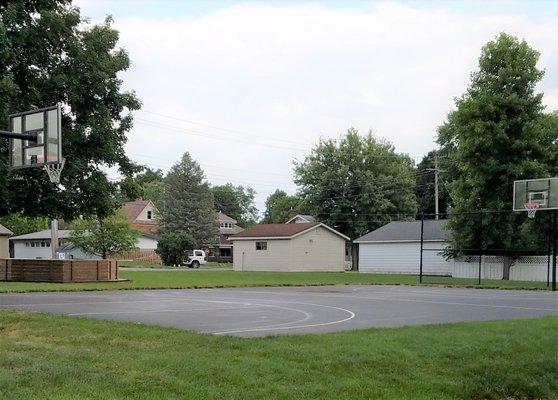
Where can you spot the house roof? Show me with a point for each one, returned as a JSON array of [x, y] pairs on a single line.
[[5, 231], [222, 217], [62, 234], [305, 217], [133, 208], [407, 231], [145, 226], [280, 230]]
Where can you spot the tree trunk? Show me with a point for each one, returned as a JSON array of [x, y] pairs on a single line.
[[104, 255], [508, 261]]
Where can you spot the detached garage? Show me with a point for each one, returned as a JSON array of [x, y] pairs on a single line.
[[395, 249], [307, 246]]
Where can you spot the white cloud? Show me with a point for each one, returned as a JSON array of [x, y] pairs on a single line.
[[292, 73]]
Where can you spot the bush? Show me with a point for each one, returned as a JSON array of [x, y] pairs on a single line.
[[173, 247]]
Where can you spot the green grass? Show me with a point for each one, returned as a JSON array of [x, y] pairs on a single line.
[[209, 279], [147, 264], [55, 357]]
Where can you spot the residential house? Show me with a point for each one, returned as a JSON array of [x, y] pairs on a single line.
[[142, 215], [36, 245], [298, 218], [227, 227]]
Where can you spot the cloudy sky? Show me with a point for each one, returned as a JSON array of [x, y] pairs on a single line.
[[248, 87]]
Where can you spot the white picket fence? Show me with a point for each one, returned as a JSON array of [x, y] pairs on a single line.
[[527, 268]]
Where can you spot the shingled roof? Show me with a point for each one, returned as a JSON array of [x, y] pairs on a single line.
[[274, 230], [407, 231], [133, 208]]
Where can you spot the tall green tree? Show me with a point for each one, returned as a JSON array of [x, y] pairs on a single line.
[[237, 202], [146, 184], [498, 133], [49, 54], [270, 203], [110, 235], [353, 183], [186, 205]]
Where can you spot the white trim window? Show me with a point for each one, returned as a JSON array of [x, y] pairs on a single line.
[[261, 245]]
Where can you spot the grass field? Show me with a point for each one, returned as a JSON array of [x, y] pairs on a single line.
[[208, 279], [55, 357], [147, 264]]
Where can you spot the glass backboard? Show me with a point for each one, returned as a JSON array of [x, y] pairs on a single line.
[[544, 191], [46, 124]]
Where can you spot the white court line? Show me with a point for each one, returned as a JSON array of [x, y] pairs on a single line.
[[256, 329], [418, 301], [156, 311]]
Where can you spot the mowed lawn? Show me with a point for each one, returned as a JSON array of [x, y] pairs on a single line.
[[56, 357], [214, 279]]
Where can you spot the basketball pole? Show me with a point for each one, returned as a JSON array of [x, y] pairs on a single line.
[[554, 217]]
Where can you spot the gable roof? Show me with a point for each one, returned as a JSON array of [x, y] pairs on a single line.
[[304, 217], [222, 217], [62, 234], [407, 231], [132, 209], [5, 231], [275, 231]]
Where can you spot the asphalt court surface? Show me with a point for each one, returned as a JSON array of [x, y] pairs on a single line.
[[269, 311]]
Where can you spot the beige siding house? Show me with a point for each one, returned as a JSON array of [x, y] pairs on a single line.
[[5, 234], [289, 247]]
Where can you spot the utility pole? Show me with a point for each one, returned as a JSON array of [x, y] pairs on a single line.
[[436, 181]]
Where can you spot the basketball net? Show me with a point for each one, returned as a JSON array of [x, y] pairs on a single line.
[[531, 207], [55, 170]]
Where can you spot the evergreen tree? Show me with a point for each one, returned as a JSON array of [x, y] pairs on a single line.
[[186, 204]]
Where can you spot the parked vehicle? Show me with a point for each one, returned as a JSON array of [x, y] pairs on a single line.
[[196, 258]]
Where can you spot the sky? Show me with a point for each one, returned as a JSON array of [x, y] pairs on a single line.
[[247, 88]]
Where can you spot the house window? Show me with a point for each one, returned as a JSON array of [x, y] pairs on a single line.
[[42, 244], [26, 244], [261, 245], [149, 215]]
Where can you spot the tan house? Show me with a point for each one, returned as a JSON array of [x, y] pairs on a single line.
[[227, 227], [5, 234], [303, 246]]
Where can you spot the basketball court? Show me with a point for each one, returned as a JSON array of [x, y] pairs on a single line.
[[250, 312]]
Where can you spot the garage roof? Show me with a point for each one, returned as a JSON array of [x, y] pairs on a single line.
[[407, 231], [62, 234], [280, 230]]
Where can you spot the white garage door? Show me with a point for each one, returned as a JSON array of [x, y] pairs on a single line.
[[402, 258]]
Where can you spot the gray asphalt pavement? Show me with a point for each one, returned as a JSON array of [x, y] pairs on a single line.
[[268, 311]]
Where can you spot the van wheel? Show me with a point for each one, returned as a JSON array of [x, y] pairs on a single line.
[[195, 264]]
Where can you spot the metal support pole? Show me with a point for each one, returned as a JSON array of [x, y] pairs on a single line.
[[436, 205], [549, 251], [421, 245], [554, 250], [53, 237], [480, 249]]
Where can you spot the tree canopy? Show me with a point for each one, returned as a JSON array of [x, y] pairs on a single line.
[[110, 235], [237, 202], [425, 184], [498, 133], [49, 54], [352, 183], [146, 184], [186, 205], [279, 207]]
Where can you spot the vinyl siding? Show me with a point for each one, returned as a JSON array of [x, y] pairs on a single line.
[[402, 258], [142, 216], [146, 243], [326, 252], [21, 251]]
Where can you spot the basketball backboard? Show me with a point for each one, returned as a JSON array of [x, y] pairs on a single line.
[[45, 124], [543, 191]]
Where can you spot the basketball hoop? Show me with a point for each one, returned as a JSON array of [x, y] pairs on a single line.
[[55, 170], [531, 206]]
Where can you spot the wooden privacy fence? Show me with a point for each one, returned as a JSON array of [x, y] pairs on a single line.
[[22, 270], [139, 255]]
